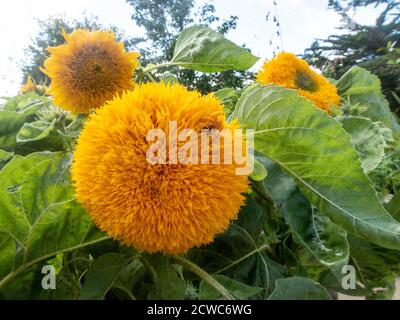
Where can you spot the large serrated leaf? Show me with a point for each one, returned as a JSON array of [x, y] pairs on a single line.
[[169, 285], [314, 231], [377, 267], [10, 123], [362, 87], [35, 131], [16, 115], [38, 209], [313, 148], [200, 48], [103, 275]]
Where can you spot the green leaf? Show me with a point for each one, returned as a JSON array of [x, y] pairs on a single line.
[[8, 248], [240, 252], [259, 173], [75, 126], [367, 139], [35, 131], [5, 157], [70, 268], [394, 206], [377, 267], [314, 231], [360, 86], [103, 275], [129, 276], [39, 212], [40, 135], [27, 286], [237, 289], [169, 78], [387, 175], [229, 98], [27, 103], [168, 283], [10, 123], [16, 113], [315, 150], [298, 288], [202, 49]]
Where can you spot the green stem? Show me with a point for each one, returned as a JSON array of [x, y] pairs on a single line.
[[190, 266], [76, 259], [26, 266], [153, 274], [130, 295], [63, 130], [256, 186], [157, 66], [150, 77], [262, 248]]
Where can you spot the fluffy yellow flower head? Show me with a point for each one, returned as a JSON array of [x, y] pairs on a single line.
[[160, 207], [289, 71], [89, 70]]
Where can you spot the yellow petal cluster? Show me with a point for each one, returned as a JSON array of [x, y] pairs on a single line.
[[167, 208], [88, 70], [289, 71], [30, 85]]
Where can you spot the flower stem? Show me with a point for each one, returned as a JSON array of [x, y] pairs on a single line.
[[150, 77], [262, 248], [157, 66], [190, 266], [152, 273], [22, 268]]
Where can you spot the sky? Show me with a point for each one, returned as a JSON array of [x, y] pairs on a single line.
[[302, 21]]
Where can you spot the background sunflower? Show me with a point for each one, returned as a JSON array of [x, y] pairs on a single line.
[[292, 72], [89, 70]]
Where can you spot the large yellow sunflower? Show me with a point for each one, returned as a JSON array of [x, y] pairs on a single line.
[[292, 72], [89, 70], [166, 207]]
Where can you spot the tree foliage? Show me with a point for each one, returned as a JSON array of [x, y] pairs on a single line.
[[163, 21], [370, 46]]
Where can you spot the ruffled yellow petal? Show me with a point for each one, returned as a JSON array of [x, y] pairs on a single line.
[[30, 85], [289, 71], [166, 208], [90, 69]]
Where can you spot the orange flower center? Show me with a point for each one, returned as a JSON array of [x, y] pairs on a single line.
[[93, 70]]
